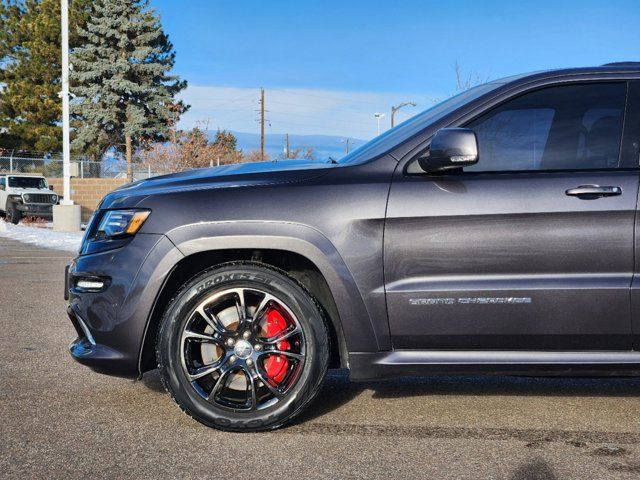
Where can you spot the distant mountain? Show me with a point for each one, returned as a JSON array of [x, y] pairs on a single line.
[[324, 146]]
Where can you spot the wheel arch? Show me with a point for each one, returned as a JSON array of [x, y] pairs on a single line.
[[318, 267]]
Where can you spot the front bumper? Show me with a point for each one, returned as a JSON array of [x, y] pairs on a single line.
[[86, 351], [111, 323], [35, 209]]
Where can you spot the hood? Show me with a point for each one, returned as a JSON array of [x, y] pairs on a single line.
[[225, 176]]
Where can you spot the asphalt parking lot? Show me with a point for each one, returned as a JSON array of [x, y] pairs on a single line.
[[59, 419]]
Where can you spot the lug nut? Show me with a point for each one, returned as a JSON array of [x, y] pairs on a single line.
[[257, 347], [232, 358], [246, 334], [230, 342], [249, 362]]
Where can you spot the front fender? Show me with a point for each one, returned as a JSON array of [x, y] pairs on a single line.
[[356, 323]]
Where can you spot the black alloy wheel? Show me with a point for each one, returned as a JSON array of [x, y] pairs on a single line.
[[243, 347]]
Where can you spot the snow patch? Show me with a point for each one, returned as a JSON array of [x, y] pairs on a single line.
[[42, 237]]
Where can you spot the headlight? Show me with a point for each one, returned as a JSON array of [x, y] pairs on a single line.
[[26, 198], [109, 229], [120, 223], [54, 198]]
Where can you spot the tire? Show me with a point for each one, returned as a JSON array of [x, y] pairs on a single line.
[[251, 397], [12, 215]]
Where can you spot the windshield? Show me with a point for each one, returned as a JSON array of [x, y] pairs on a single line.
[[395, 136], [27, 182]]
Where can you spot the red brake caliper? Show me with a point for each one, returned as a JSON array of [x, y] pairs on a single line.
[[276, 366]]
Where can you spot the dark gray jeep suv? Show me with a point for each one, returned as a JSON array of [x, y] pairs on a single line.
[[495, 232]]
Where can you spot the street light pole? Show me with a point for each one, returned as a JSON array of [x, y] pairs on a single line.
[[398, 107], [66, 149], [66, 215], [378, 117]]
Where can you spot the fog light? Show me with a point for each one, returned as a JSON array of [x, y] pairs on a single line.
[[90, 284]]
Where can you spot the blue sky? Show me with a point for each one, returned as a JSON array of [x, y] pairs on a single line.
[[328, 66]]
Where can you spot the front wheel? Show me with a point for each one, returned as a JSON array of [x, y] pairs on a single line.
[[243, 347], [13, 214]]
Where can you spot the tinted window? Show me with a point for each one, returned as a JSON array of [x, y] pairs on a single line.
[[27, 182], [557, 128], [409, 128]]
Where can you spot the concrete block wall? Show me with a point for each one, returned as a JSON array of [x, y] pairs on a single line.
[[87, 192]]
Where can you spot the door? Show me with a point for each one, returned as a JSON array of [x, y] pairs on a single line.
[[533, 247]]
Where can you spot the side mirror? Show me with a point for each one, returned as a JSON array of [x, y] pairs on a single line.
[[1, 187], [51, 187], [450, 148]]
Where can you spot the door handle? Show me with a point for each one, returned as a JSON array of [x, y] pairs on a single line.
[[594, 191]]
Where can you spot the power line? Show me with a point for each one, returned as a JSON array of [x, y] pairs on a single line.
[[315, 124], [262, 114], [350, 122], [227, 102], [338, 132], [325, 97], [332, 109], [240, 116]]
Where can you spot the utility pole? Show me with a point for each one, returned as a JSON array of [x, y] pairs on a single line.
[[286, 145], [262, 124], [398, 107], [346, 142]]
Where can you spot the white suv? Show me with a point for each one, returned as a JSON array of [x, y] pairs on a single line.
[[25, 195]]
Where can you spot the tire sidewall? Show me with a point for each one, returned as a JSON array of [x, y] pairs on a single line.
[[12, 213], [285, 289]]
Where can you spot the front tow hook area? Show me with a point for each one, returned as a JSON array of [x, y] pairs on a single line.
[[80, 325], [86, 351]]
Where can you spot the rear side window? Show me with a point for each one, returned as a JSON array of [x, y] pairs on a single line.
[[574, 127]]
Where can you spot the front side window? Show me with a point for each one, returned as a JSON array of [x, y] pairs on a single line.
[[409, 128], [573, 127]]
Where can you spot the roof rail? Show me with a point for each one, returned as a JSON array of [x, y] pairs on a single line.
[[622, 64]]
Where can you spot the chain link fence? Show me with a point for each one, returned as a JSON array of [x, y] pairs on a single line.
[[50, 165]]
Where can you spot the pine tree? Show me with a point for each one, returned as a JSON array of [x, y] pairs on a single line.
[[29, 104], [30, 108], [125, 94], [10, 11], [225, 140]]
